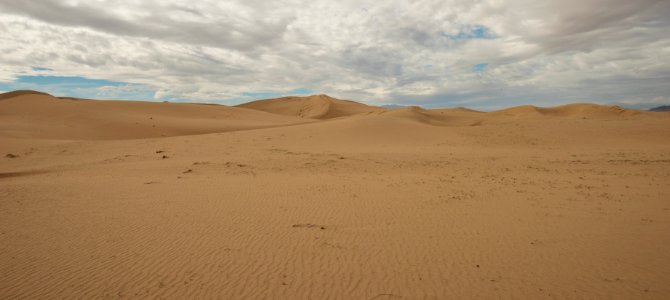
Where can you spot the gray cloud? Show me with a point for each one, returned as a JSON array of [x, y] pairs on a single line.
[[409, 52], [158, 21]]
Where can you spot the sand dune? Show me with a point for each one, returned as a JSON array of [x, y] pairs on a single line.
[[586, 110], [314, 107], [323, 199], [438, 117], [30, 114], [37, 115], [17, 93]]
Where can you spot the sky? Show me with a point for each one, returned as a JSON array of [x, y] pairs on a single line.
[[445, 53]]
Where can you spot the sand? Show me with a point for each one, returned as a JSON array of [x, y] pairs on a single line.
[[317, 198], [312, 107]]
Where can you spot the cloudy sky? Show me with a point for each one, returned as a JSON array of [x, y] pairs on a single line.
[[481, 54]]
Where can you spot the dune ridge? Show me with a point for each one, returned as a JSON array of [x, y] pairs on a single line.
[[312, 107], [17, 93], [39, 115], [32, 114], [568, 110]]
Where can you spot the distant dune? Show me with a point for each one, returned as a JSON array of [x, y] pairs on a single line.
[[571, 110], [663, 108], [39, 115], [17, 93], [319, 198], [313, 107], [438, 117]]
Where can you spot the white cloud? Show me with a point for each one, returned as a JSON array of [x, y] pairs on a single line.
[[411, 52]]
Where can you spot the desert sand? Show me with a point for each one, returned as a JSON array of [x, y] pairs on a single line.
[[320, 198]]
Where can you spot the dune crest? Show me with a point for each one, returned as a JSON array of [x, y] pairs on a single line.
[[32, 114], [311, 107], [17, 93], [29, 114], [417, 114], [586, 110]]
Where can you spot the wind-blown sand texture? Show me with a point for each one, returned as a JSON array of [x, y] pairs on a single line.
[[319, 198]]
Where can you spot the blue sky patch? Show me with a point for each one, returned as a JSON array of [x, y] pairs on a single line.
[[470, 33], [301, 91], [266, 95], [41, 69], [73, 81], [480, 32], [80, 87], [478, 68]]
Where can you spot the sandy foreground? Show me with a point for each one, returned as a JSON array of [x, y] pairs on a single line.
[[318, 198]]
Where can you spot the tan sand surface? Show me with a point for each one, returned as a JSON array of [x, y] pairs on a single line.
[[318, 198]]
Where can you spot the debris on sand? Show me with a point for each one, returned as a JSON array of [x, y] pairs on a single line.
[[308, 225]]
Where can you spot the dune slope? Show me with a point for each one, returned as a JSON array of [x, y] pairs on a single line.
[[314, 107], [37, 115], [584, 110]]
